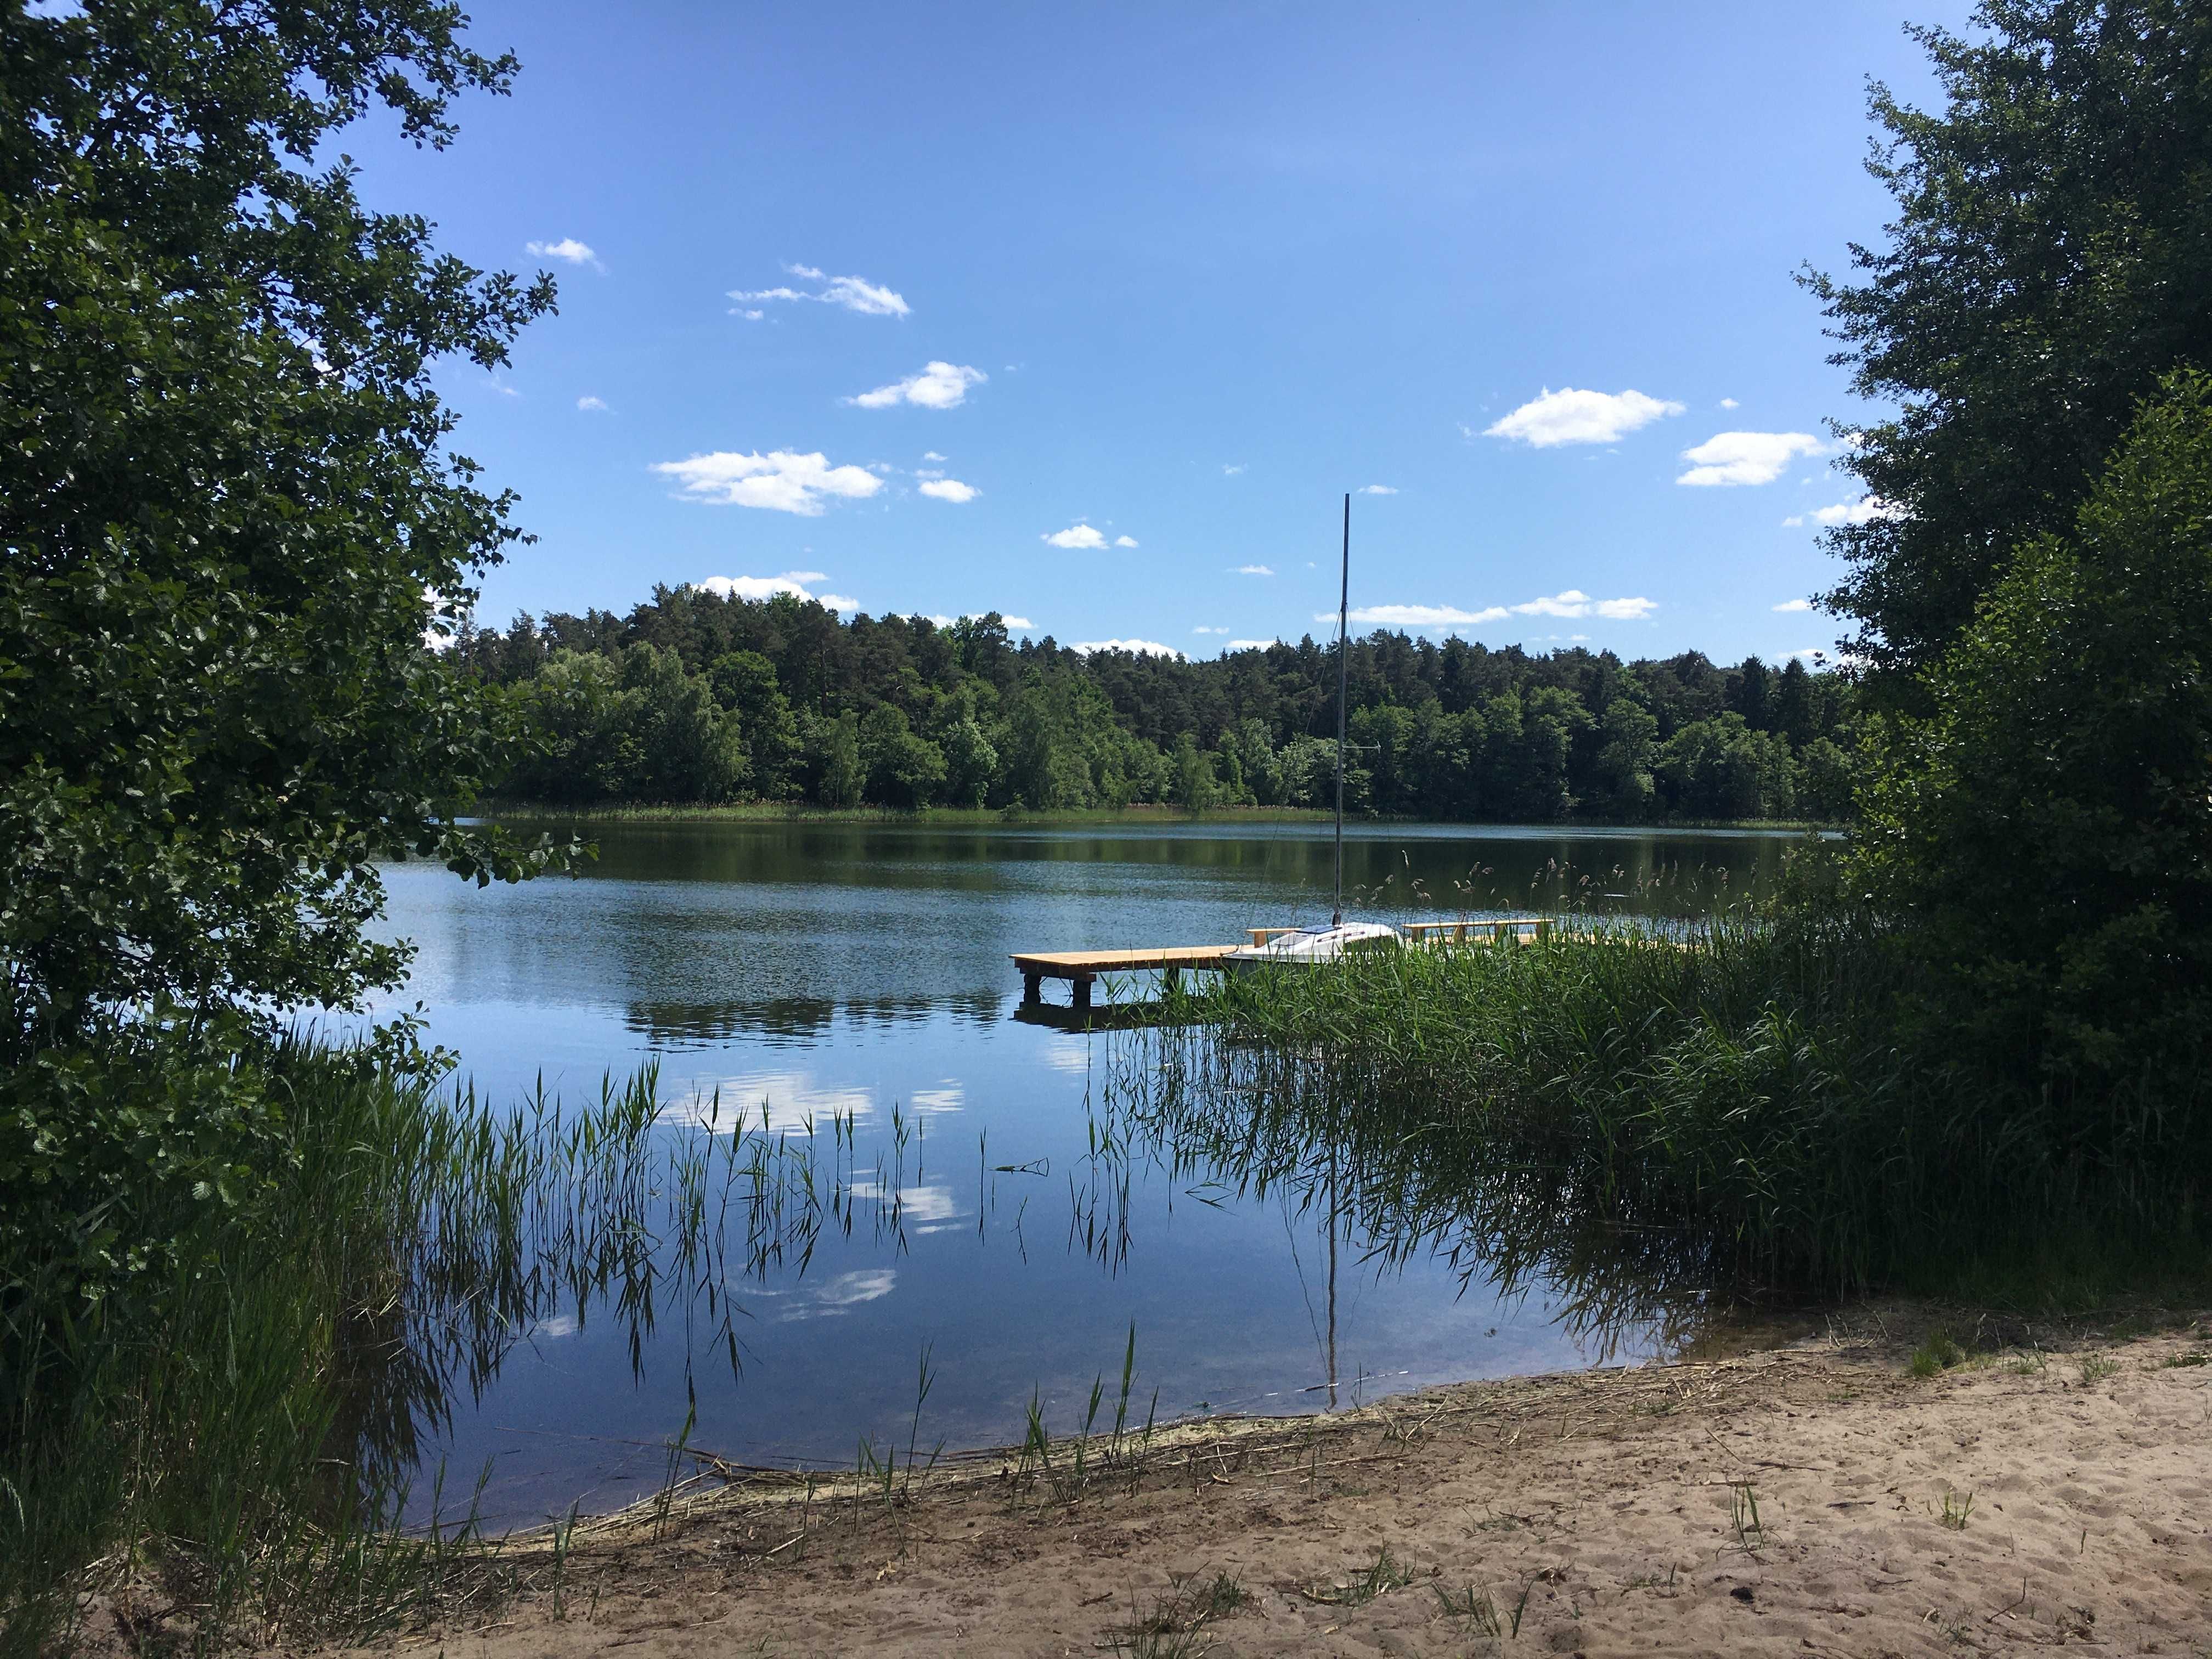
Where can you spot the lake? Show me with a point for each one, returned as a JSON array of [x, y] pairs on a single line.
[[995, 1211]]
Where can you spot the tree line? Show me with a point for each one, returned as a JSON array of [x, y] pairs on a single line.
[[698, 698]]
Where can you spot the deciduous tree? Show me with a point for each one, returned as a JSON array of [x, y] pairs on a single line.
[[227, 509], [2050, 259]]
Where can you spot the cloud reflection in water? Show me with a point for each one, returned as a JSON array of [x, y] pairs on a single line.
[[792, 1102]]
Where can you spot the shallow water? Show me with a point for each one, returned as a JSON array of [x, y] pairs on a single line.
[[990, 1206]]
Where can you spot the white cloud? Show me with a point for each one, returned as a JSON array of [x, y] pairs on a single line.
[[590, 403], [1124, 541], [1076, 536], [1419, 615], [1209, 630], [1574, 602], [1571, 603], [1747, 457], [1253, 570], [939, 386], [1141, 648], [1569, 417], [1017, 622], [1863, 511], [1249, 645], [1231, 471], [779, 480], [852, 293], [440, 619], [1793, 521], [950, 489], [568, 248], [1730, 402], [1376, 489], [931, 455], [1794, 604], [797, 583]]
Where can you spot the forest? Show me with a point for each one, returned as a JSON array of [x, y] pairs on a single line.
[[694, 697]]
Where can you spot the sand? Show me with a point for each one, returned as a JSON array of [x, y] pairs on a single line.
[[1608, 1512]]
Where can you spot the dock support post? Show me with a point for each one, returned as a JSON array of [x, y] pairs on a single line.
[[1082, 989], [1032, 989], [1171, 977]]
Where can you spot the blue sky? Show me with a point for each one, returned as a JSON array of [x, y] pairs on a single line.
[[1089, 314]]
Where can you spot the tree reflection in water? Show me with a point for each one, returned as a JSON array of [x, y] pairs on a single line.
[[1390, 1181]]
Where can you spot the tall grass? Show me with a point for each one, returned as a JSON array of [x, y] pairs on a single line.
[[233, 1444], [1732, 1100]]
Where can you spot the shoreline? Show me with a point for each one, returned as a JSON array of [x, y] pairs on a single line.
[[2053, 1485], [984, 816]]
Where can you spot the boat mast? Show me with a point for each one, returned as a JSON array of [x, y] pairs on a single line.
[[1343, 613]]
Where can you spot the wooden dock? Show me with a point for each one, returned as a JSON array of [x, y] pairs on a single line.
[[1520, 930], [1079, 968]]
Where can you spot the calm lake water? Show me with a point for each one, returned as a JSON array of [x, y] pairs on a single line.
[[806, 972]]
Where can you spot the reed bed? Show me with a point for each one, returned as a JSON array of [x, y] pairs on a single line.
[[1730, 1102], [232, 1445]]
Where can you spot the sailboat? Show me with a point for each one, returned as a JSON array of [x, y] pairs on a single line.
[[1311, 947]]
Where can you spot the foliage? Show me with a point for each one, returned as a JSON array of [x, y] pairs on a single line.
[[2050, 259], [1622, 1114], [636, 727], [1721, 768], [229, 521], [2041, 838], [959, 716], [232, 1434], [223, 497]]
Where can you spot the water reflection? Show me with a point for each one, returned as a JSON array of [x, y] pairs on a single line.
[[854, 1146], [1401, 1186], [784, 1102], [700, 1246], [699, 1026]]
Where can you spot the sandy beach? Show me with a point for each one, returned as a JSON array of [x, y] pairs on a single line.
[[2053, 1488]]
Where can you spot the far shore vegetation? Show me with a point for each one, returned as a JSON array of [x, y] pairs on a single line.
[[696, 697], [521, 811], [1970, 1049]]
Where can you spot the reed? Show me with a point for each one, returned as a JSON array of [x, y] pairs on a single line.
[[1727, 1102], [235, 1439]]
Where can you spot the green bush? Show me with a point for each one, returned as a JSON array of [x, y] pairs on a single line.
[[2040, 842]]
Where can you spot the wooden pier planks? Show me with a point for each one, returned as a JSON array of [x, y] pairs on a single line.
[[1518, 931], [1079, 968]]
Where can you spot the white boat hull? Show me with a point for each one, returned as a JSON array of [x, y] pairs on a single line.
[[1313, 947]]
